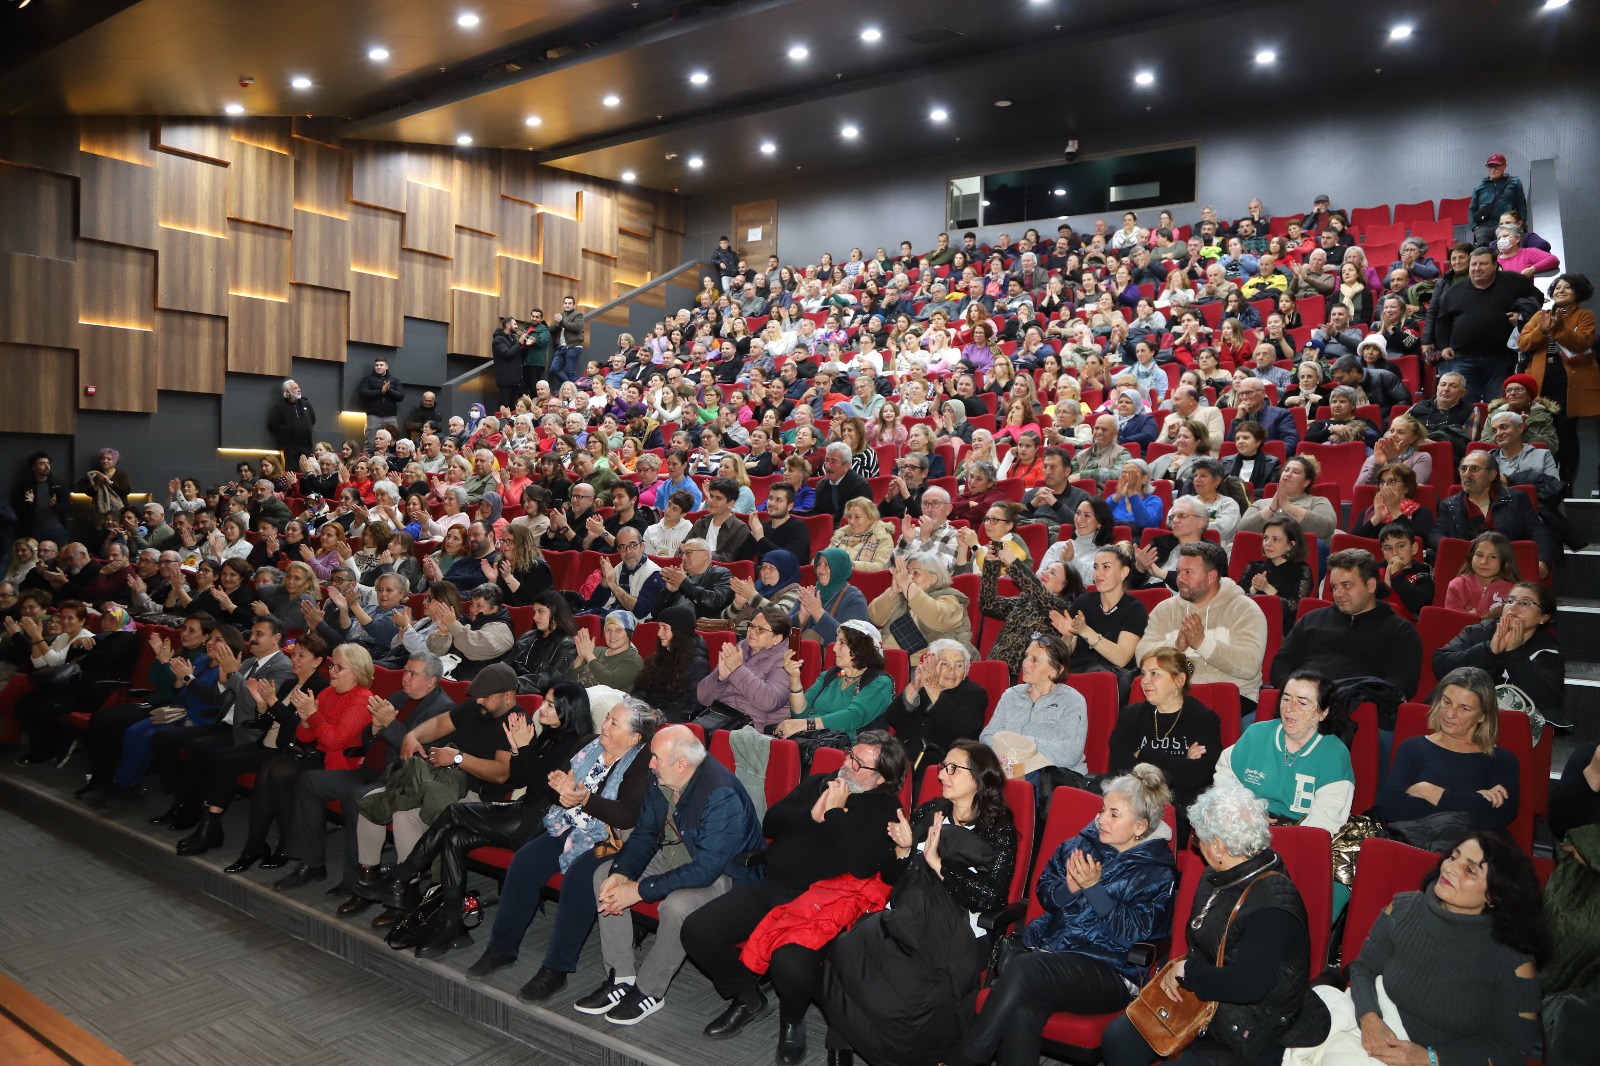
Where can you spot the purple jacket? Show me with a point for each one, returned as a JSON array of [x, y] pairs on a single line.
[[759, 688]]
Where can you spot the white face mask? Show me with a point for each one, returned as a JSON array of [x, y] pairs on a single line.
[[1503, 244]]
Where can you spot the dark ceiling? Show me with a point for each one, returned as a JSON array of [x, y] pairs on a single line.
[[1066, 66]]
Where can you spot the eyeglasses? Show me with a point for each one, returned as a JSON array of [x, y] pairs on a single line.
[[952, 767], [995, 518], [752, 628], [858, 764], [1522, 601]]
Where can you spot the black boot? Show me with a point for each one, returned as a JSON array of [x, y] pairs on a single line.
[[791, 1042], [446, 934], [168, 815], [403, 893], [184, 817], [207, 835], [275, 859]]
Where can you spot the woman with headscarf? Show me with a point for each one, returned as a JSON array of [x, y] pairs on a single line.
[[953, 425], [1134, 424], [822, 608], [490, 507], [920, 606], [615, 663], [671, 675], [777, 584]]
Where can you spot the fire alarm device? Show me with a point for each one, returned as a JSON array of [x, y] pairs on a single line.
[[89, 390]]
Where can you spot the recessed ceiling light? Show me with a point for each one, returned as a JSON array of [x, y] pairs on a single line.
[[377, 55], [849, 132], [983, 203], [1059, 192], [612, 100], [799, 51], [1144, 77], [463, 138], [628, 175], [302, 82], [1002, 103], [1552, 5], [467, 20], [699, 77], [1266, 55], [871, 34], [532, 120], [767, 148], [938, 114], [1399, 33], [234, 109], [695, 162]]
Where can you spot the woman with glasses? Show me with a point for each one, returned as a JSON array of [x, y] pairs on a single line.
[[1104, 890], [1395, 501], [848, 697], [749, 678], [939, 706], [1520, 649]]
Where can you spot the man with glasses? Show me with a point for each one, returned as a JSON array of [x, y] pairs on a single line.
[[696, 583], [830, 825], [903, 497], [1250, 405], [569, 529], [636, 585], [931, 531], [1485, 503], [712, 819]]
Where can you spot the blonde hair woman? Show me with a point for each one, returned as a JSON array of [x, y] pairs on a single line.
[[731, 467], [864, 537]]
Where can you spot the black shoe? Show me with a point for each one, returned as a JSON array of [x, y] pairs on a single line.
[[275, 860], [301, 875], [731, 1022], [487, 964], [167, 815], [184, 818], [634, 1007], [372, 883], [450, 935], [248, 858], [791, 1043], [545, 983], [207, 835], [403, 894], [841, 1057], [602, 999], [353, 906]]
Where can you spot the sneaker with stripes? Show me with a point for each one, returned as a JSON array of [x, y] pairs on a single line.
[[634, 1007], [602, 999]]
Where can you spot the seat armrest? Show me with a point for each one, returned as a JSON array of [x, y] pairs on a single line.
[[1003, 918], [751, 859], [1146, 953]]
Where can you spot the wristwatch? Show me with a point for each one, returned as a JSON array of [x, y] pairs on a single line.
[[457, 760]]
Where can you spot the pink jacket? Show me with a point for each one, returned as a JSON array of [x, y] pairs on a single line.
[[1526, 257]]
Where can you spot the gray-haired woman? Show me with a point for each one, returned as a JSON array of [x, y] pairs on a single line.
[[1262, 989], [920, 606]]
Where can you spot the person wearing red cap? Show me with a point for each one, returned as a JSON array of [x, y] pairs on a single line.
[[1521, 396], [1496, 194]]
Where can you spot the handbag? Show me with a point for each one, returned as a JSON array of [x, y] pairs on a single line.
[[721, 716], [1170, 1027], [411, 928], [56, 676], [810, 740]]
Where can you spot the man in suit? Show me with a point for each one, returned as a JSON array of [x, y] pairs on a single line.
[[424, 699], [1250, 395], [840, 484]]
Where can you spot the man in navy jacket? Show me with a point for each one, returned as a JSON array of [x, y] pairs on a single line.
[[1250, 396], [716, 821]]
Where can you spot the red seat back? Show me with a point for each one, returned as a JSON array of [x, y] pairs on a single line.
[[1099, 691], [1308, 860], [1437, 627], [995, 677], [1387, 867]]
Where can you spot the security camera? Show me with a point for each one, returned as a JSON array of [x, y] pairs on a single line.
[[1071, 152], [245, 81]]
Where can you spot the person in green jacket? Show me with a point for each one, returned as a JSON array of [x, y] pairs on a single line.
[[535, 351], [851, 696], [616, 663]]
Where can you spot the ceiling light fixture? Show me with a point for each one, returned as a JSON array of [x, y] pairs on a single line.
[[799, 52], [234, 109], [695, 162], [938, 114], [377, 55], [1144, 77], [302, 82], [849, 133], [1266, 55], [612, 100], [467, 21], [463, 138], [1399, 33], [532, 120], [767, 148], [1002, 103], [1555, 5], [871, 34], [699, 77], [628, 175], [1059, 192]]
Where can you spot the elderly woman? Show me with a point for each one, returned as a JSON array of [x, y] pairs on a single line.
[[1206, 478], [1342, 426], [1395, 501], [940, 705], [953, 425], [982, 451], [920, 606], [106, 485], [748, 684], [820, 609], [850, 696], [1104, 890], [1132, 502], [1041, 723], [1539, 414], [1249, 914], [615, 663], [1310, 389], [1455, 774], [1027, 614], [1403, 444], [777, 584], [1134, 424], [1294, 498], [864, 536]]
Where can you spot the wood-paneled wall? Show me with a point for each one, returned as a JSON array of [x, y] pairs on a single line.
[[192, 249]]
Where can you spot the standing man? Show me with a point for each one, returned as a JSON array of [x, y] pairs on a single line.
[[1472, 322], [293, 425], [1496, 194], [567, 336], [535, 351], [507, 348], [381, 394]]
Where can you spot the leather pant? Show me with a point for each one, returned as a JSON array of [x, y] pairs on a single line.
[[464, 826]]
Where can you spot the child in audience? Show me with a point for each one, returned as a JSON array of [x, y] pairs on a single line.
[[1408, 577], [1282, 570], [1486, 577]]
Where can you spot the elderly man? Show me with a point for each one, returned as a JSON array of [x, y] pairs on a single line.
[[1486, 503], [293, 425], [1216, 286], [266, 504], [1470, 323], [1496, 194], [697, 583], [1186, 406], [600, 478], [1250, 405], [1520, 463], [931, 530], [1312, 279], [903, 497], [1102, 460], [636, 585], [426, 416], [840, 484], [156, 530], [1446, 413], [70, 576], [1213, 621], [570, 528], [482, 479]]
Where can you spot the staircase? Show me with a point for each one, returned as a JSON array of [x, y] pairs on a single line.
[[1578, 620]]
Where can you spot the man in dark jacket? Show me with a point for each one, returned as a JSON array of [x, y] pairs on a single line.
[[1382, 387], [1446, 413], [1472, 322], [724, 263], [1485, 503], [697, 584], [840, 484], [380, 394], [535, 351], [828, 826], [507, 362], [1497, 193], [1358, 636], [293, 425], [1054, 503], [566, 336], [716, 822], [40, 501], [1250, 396]]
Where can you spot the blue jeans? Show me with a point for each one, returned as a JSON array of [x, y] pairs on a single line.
[[1485, 375], [565, 362], [532, 866], [135, 760]]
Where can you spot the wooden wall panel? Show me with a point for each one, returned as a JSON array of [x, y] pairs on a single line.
[[48, 143], [41, 389], [560, 246], [117, 202], [191, 352], [636, 213], [258, 336], [271, 133], [128, 139], [424, 286], [519, 229], [597, 229], [430, 164], [374, 241], [521, 177], [664, 248], [320, 323], [472, 323], [197, 137], [475, 189], [259, 265], [191, 271], [116, 285], [375, 316], [191, 194], [261, 186], [378, 174], [38, 301], [474, 267], [521, 287], [120, 364], [321, 178], [321, 250], [38, 215], [555, 289], [671, 213], [559, 192], [429, 226], [633, 258], [596, 277]]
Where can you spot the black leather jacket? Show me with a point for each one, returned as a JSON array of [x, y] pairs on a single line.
[[541, 660]]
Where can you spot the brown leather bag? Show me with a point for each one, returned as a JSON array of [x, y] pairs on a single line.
[[1170, 1027]]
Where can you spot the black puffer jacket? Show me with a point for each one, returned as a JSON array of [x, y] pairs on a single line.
[[541, 660]]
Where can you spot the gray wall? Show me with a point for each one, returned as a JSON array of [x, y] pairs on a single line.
[[1424, 140]]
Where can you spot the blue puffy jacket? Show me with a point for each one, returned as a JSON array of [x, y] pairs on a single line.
[[714, 817], [1131, 902]]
